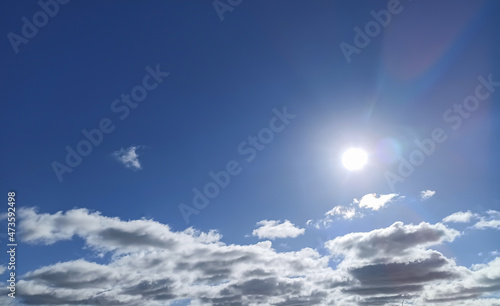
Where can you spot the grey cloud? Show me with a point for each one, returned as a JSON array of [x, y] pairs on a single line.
[[419, 271], [396, 240], [152, 265], [386, 300]]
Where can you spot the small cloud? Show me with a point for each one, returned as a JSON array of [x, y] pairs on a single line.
[[459, 217], [371, 201], [483, 224], [493, 213], [492, 220], [347, 213], [339, 211], [489, 220], [3, 269], [129, 157], [271, 229], [426, 194], [321, 223], [375, 202]]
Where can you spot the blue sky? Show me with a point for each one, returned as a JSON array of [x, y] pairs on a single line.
[[252, 104]]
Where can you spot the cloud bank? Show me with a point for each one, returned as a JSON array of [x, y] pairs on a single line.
[[153, 265]]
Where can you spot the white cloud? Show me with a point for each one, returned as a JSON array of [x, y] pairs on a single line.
[[104, 233], [129, 157], [483, 224], [489, 220], [426, 194], [368, 201], [3, 269], [346, 212], [152, 265], [459, 217], [375, 203], [272, 229], [493, 213], [484, 278]]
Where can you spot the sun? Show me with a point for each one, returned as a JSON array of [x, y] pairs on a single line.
[[354, 159]]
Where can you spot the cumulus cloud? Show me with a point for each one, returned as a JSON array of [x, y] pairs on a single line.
[[153, 265], [128, 157], [374, 202], [394, 263], [395, 241], [485, 279], [426, 194], [104, 233], [272, 229], [459, 217]]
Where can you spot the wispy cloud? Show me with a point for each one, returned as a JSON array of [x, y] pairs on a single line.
[[355, 210], [426, 194], [491, 220], [129, 157], [272, 229], [483, 224], [346, 212]]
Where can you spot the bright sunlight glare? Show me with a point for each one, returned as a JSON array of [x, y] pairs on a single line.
[[354, 159]]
